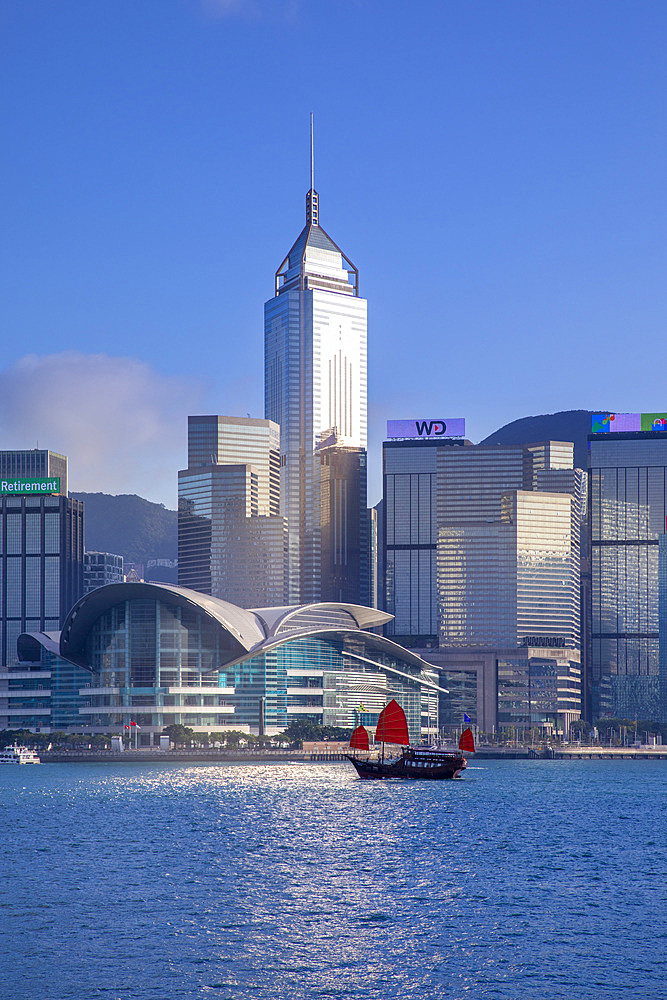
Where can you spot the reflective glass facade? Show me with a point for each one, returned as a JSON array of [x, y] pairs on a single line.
[[41, 565], [219, 440], [628, 508], [314, 383], [537, 692], [313, 678], [514, 581], [156, 664], [410, 537], [177, 659], [224, 548], [231, 536], [495, 572], [344, 526]]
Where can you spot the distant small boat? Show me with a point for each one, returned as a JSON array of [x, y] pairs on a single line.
[[18, 755], [430, 763]]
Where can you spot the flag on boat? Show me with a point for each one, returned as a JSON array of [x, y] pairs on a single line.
[[466, 718], [467, 743], [361, 707], [359, 739], [392, 725]]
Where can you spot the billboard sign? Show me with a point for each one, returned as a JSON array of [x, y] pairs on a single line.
[[605, 423], [654, 421], [24, 486], [427, 428]]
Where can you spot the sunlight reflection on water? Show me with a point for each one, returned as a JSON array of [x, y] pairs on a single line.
[[300, 881]]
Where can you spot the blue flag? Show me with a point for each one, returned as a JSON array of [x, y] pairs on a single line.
[[466, 718]]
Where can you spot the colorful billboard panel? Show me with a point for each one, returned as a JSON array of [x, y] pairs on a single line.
[[654, 421], [430, 427], [604, 423]]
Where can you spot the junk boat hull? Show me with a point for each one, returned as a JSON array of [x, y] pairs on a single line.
[[413, 764]]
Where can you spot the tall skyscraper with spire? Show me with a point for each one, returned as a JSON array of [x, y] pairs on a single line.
[[315, 388]]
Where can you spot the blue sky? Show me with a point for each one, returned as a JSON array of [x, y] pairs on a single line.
[[495, 168]]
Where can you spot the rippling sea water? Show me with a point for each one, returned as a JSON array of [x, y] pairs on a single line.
[[525, 879]]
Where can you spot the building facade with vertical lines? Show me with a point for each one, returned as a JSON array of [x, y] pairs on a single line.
[[314, 384]]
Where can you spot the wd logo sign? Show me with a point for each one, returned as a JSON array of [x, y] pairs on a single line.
[[452, 427], [426, 428]]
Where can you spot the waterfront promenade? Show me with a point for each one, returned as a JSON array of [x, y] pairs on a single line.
[[153, 756]]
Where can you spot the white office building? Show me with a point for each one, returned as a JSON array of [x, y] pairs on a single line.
[[315, 382]]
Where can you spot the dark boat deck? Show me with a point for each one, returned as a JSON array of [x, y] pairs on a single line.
[[412, 764]]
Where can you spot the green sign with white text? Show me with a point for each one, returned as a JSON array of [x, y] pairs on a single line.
[[25, 486]]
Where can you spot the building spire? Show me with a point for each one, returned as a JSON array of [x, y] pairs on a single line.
[[312, 199], [312, 155]]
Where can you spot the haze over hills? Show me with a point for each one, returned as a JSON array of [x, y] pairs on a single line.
[[567, 425], [140, 530], [129, 526]]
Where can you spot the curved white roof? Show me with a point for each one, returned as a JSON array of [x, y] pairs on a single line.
[[252, 629], [276, 618]]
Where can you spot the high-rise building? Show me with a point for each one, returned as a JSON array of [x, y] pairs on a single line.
[[482, 569], [512, 582], [438, 481], [41, 558], [314, 381], [100, 568], [344, 525], [219, 440], [409, 532], [231, 537], [628, 511], [38, 463]]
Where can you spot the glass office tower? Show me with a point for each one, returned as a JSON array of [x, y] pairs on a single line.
[[431, 484], [513, 582], [628, 508], [344, 526], [314, 382], [220, 440], [231, 536], [41, 553], [37, 463], [409, 533]]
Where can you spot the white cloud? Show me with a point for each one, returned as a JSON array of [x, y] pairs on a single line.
[[122, 424]]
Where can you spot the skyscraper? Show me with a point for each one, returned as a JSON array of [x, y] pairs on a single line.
[[344, 525], [231, 536], [220, 440], [628, 518], [314, 381], [514, 581], [41, 559]]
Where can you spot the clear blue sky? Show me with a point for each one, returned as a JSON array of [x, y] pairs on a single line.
[[496, 170]]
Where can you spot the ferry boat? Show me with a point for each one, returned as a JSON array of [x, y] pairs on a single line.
[[430, 763], [18, 755]]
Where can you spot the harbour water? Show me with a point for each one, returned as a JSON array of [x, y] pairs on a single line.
[[525, 879]]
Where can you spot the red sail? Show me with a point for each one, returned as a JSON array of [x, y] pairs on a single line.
[[467, 742], [392, 726], [359, 739]]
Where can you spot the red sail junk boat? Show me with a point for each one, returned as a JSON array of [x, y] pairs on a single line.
[[413, 762]]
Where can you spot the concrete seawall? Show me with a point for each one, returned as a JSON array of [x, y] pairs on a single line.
[[297, 756]]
